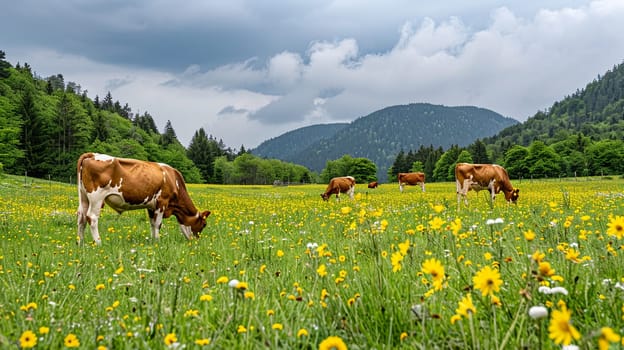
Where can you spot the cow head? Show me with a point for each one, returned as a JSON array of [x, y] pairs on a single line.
[[193, 225], [513, 198], [325, 196]]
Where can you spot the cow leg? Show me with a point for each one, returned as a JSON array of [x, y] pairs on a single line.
[[186, 231], [156, 217], [422, 185], [400, 187], [92, 217], [492, 188], [351, 192], [82, 215], [462, 190]]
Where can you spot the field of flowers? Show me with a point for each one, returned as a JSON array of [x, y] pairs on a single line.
[[277, 267]]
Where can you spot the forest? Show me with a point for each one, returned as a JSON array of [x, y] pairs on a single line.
[[46, 123]]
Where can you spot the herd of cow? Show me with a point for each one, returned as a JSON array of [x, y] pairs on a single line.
[[128, 184]]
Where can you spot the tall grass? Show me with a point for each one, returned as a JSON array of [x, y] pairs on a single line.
[[311, 269]]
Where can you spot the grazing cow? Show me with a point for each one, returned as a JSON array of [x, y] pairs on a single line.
[[128, 184], [479, 177], [373, 184], [411, 179], [337, 185]]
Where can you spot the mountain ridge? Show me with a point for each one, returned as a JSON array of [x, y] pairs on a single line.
[[380, 135]]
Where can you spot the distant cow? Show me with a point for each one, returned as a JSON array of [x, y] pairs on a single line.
[[477, 177], [373, 184], [411, 179], [128, 184], [337, 185]]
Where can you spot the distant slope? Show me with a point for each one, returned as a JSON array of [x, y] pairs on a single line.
[[379, 136], [287, 145], [597, 112]]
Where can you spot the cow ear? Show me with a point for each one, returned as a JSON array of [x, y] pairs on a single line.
[[205, 214]]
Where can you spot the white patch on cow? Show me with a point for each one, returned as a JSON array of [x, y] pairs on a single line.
[[103, 157]]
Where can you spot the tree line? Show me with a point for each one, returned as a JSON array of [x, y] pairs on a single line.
[[576, 155]]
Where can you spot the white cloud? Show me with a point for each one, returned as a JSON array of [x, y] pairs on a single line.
[[515, 64]]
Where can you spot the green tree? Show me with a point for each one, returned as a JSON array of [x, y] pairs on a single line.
[[363, 170], [4, 66], [516, 162], [169, 136], [479, 153], [605, 157], [463, 157], [202, 154], [543, 161], [417, 166], [446, 164]]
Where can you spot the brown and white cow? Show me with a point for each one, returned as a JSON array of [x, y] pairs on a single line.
[[338, 185], [477, 177], [373, 184], [128, 184], [411, 179]]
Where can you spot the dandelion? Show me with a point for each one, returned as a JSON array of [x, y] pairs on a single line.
[[487, 280], [205, 297], [71, 341], [616, 226], [607, 336], [529, 235], [170, 339], [29, 306], [466, 307], [222, 280], [436, 270], [403, 336], [250, 295], [345, 210], [100, 286], [241, 329], [333, 343], [280, 253], [396, 260], [28, 340], [561, 331], [277, 326], [321, 270], [302, 333], [44, 330], [436, 223], [545, 270], [202, 342]]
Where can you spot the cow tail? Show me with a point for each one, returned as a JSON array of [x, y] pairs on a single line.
[[79, 166]]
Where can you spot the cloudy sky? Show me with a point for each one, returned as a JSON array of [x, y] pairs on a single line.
[[249, 70]]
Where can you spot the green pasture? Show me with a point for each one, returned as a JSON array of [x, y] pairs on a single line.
[[308, 270]]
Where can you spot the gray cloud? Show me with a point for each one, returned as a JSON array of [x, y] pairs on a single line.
[[271, 66]]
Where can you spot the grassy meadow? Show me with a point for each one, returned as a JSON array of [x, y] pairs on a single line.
[[277, 267]]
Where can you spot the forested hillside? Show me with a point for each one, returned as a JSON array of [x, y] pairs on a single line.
[[287, 145], [596, 112], [46, 123], [380, 135], [583, 134]]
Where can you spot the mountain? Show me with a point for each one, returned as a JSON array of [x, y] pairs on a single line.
[[380, 135], [287, 145]]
